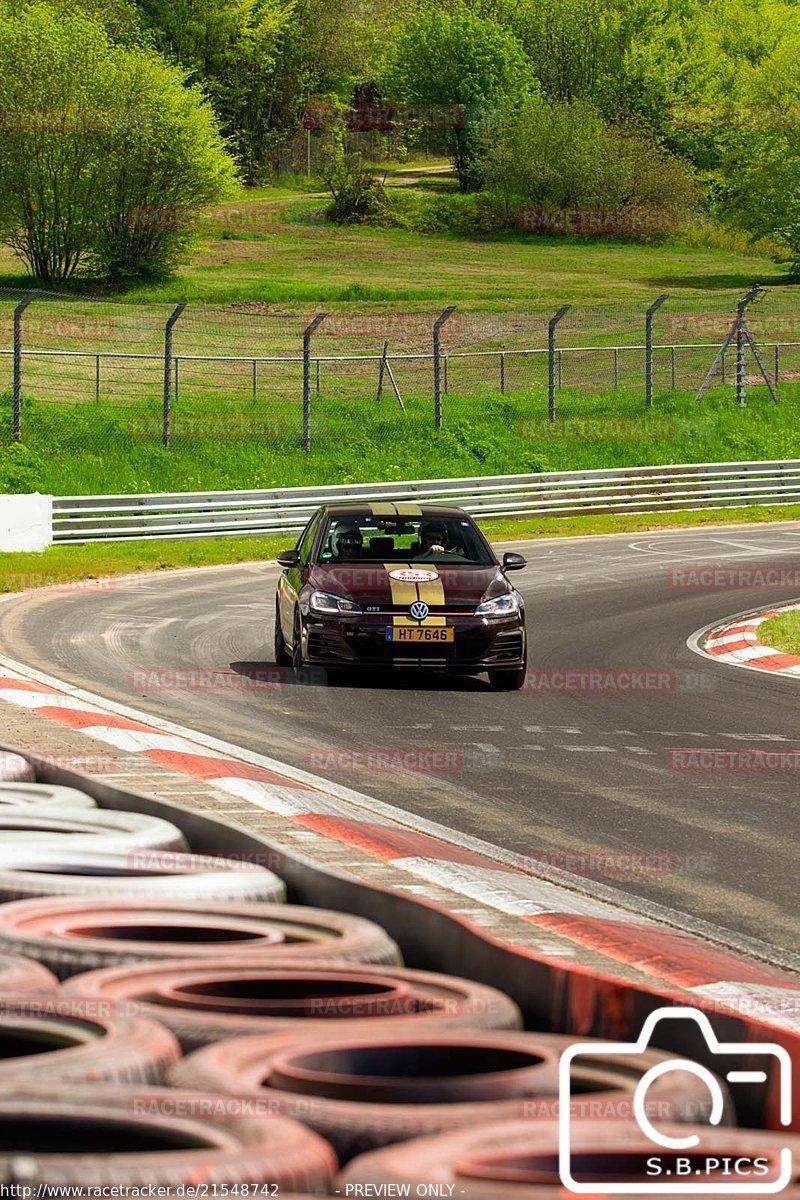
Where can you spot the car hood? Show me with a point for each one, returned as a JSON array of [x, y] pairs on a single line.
[[371, 583]]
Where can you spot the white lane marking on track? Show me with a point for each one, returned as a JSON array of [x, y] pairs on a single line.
[[587, 749]]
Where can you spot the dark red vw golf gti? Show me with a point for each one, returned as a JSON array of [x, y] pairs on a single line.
[[400, 585]]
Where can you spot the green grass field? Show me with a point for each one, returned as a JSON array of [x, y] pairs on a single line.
[[782, 632], [273, 245], [89, 449]]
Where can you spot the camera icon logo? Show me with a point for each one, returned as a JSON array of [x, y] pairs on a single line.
[[689, 1178]]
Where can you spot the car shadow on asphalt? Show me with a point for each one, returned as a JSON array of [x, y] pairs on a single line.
[[266, 675]]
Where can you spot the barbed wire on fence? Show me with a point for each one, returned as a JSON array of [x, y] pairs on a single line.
[[117, 369]]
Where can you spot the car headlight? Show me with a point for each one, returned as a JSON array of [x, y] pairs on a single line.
[[500, 606], [328, 605]]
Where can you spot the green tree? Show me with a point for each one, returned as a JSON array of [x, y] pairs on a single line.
[[55, 77], [164, 159], [463, 65], [759, 173], [93, 133]]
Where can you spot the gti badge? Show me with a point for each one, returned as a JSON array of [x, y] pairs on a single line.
[[419, 610]]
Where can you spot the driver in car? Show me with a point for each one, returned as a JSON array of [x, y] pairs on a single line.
[[347, 542]]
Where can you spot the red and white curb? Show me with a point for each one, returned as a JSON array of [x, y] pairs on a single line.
[[592, 916], [736, 641]]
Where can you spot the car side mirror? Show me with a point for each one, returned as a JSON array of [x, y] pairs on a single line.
[[288, 558], [513, 562]]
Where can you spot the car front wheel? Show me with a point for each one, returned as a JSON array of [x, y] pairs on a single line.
[[507, 681], [282, 656], [297, 643]]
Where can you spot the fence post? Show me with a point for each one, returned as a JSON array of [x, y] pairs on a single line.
[[648, 338], [18, 311], [551, 361], [307, 335], [437, 363], [502, 371], [168, 368], [741, 340]]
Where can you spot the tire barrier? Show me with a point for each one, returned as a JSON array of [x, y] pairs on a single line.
[[516, 1160], [22, 798], [28, 873], [76, 935], [206, 1001], [19, 975], [154, 1138], [50, 1039], [14, 768], [93, 829], [360, 1091]]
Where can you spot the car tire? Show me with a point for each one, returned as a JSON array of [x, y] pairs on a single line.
[[24, 797], [30, 873], [19, 974], [48, 1039], [361, 1089], [209, 1001], [507, 681], [87, 829], [15, 769], [174, 1143], [76, 934], [297, 643], [282, 656]]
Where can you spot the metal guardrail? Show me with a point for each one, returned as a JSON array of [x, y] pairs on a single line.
[[556, 493]]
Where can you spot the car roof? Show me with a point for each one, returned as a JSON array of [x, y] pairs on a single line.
[[392, 508]]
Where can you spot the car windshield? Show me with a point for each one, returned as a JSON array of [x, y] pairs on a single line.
[[404, 539]]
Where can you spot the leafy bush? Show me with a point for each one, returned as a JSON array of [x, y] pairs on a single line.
[[20, 469], [358, 194]]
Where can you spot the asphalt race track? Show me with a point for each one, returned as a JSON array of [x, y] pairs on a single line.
[[544, 772]]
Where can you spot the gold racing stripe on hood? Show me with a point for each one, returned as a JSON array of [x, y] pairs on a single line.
[[405, 593]]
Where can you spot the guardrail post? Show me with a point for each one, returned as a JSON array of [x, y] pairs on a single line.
[[307, 335], [17, 393], [551, 361], [168, 369], [437, 363], [648, 354]]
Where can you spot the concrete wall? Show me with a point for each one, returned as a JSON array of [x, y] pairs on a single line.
[[26, 522]]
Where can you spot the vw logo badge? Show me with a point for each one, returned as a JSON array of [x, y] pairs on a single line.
[[419, 610]]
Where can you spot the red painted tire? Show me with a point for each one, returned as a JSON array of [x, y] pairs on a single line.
[[156, 1138], [361, 1091], [13, 767], [97, 829], [71, 936], [22, 798], [22, 975], [206, 1001], [49, 1039], [28, 873], [518, 1159]]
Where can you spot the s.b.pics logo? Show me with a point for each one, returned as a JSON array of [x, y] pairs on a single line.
[[649, 1156]]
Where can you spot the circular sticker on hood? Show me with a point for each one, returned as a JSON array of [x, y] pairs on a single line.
[[413, 575]]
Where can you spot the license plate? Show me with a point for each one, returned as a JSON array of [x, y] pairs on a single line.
[[409, 633]]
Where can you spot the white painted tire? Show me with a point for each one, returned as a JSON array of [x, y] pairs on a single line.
[[22, 798], [89, 829]]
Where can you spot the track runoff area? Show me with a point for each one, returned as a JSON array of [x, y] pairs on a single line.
[[612, 733]]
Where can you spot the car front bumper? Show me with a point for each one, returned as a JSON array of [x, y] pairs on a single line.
[[478, 644]]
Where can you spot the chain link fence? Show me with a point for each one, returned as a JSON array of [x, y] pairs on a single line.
[[96, 372]]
